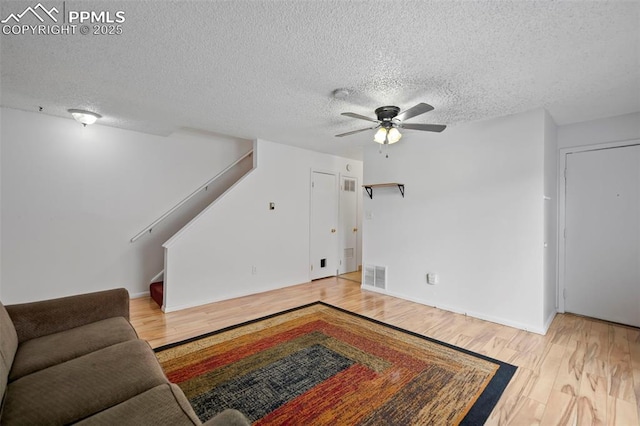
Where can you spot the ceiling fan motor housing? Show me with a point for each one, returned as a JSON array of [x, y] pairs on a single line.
[[387, 113]]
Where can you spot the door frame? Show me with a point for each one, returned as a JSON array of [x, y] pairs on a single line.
[[562, 194], [337, 213], [356, 213]]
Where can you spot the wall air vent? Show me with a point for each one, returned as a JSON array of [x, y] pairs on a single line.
[[349, 185], [375, 276]]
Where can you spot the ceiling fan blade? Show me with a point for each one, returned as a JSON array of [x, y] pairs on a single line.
[[421, 108], [427, 127], [355, 131], [361, 117]]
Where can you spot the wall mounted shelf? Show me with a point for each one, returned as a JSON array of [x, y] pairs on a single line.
[[369, 188]]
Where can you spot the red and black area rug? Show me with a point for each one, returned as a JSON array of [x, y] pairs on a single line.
[[322, 365]]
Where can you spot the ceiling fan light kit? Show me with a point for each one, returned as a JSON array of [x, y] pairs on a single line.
[[390, 120], [393, 135], [381, 135], [387, 135]]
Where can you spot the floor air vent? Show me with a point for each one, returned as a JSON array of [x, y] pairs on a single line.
[[375, 276]]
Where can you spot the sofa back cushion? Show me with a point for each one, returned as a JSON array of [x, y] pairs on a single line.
[[8, 348]]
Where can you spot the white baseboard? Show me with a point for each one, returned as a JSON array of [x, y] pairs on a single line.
[[156, 278], [478, 315], [138, 295], [220, 299]]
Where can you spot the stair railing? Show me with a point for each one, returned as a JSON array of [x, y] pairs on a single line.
[[149, 228]]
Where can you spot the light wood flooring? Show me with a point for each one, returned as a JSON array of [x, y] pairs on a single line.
[[352, 276], [583, 372]]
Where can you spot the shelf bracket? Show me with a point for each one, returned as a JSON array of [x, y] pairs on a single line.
[[369, 191], [401, 188]]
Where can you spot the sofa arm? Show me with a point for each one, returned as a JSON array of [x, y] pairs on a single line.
[[37, 319]]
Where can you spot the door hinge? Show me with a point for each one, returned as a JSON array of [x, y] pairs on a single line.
[[564, 233], [313, 184], [312, 267], [564, 293]]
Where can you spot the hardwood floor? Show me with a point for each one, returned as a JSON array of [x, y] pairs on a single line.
[[583, 372], [352, 276]]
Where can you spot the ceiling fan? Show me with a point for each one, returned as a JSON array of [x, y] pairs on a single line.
[[390, 119]]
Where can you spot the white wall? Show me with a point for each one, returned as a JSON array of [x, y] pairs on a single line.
[[73, 197], [473, 214], [550, 220], [612, 129], [213, 258]]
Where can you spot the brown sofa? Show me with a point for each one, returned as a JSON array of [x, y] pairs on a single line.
[[78, 360]]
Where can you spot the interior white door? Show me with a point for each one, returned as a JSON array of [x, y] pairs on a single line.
[[324, 225], [602, 242], [348, 224]]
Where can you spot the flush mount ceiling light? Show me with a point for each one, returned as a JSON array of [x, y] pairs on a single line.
[[390, 120], [84, 117]]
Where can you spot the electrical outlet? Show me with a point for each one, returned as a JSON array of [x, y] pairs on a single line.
[[432, 278]]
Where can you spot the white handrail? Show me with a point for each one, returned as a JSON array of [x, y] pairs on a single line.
[[149, 228]]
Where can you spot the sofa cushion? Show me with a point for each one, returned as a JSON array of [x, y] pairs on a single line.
[[8, 347], [228, 417], [83, 386], [162, 405], [42, 352]]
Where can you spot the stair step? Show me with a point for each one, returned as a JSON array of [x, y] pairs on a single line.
[[156, 290]]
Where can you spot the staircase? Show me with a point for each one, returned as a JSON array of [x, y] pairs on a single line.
[[183, 212], [156, 290]]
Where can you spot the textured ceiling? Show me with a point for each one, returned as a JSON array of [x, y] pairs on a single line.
[[267, 69]]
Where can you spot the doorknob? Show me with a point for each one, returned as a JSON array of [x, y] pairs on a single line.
[[333, 231], [355, 229]]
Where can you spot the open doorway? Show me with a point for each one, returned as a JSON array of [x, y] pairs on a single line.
[[352, 276]]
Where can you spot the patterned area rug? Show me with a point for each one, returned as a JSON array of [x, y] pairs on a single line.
[[322, 365]]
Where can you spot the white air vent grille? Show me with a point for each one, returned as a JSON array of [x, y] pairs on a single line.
[[349, 185], [348, 253], [375, 276]]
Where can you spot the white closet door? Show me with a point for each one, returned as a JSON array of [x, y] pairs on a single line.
[[602, 243], [324, 225]]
